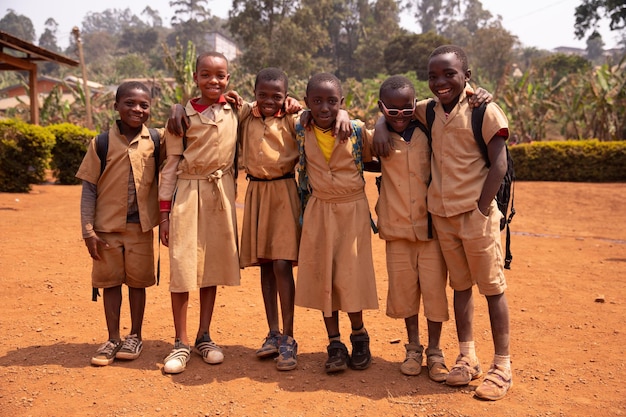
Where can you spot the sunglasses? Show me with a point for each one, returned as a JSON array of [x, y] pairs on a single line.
[[398, 112]]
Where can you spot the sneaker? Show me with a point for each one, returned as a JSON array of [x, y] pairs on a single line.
[[412, 364], [177, 360], [361, 357], [337, 357], [463, 371], [105, 355], [496, 384], [209, 350], [270, 345], [131, 348], [287, 352], [437, 369]]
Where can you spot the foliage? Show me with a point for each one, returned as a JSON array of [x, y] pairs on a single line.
[[580, 161], [410, 52], [69, 149], [18, 25], [25, 150], [590, 12]]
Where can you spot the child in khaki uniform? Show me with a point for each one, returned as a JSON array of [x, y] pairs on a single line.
[[461, 199], [415, 264], [335, 267], [119, 209], [271, 231], [197, 203]]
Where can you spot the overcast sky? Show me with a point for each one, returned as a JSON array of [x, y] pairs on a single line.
[[545, 24]]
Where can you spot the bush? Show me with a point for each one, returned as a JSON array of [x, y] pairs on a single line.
[[577, 161], [68, 153], [25, 151]]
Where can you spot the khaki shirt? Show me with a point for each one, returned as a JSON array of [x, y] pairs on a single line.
[[401, 206], [458, 168], [269, 148], [112, 185]]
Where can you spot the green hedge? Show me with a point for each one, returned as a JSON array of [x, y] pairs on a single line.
[[68, 153], [575, 161], [25, 152]]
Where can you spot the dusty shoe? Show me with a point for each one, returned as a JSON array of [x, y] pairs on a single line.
[[131, 348], [412, 364], [496, 384], [287, 352], [463, 371], [209, 350], [337, 357], [437, 369], [105, 355], [270, 345], [361, 357], [176, 361]]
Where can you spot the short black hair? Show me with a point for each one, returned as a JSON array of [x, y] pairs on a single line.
[[323, 77], [396, 82], [456, 50], [128, 86], [272, 74], [213, 54]]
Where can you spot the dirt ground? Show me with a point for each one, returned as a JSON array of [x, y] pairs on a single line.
[[567, 296]]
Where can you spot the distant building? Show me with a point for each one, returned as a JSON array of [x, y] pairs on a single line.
[[567, 50], [220, 43]]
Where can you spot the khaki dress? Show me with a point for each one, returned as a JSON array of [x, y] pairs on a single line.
[[335, 266]]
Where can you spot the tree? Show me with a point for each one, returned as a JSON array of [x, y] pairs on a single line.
[[410, 53], [595, 47], [18, 25], [48, 38], [191, 21], [590, 12]]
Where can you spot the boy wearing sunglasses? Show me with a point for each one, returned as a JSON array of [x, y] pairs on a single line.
[[415, 264]]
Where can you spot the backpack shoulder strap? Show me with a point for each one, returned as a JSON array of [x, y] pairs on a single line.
[[102, 148], [478, 113], [430, 119], [156, 139]]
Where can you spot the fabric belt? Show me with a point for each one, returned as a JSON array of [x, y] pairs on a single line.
[[284, 177]]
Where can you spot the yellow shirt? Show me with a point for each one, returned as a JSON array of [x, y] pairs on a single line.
[[325, 140]]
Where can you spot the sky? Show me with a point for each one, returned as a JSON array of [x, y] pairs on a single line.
[[544, 24]]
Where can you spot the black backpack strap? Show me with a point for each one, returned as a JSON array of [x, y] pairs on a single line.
[[430, 119], [478, 113], [102, 148]]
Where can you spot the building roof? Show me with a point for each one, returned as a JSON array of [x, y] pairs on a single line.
[[21, 50]]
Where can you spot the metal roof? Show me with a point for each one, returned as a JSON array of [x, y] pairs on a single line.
[[16, 54]]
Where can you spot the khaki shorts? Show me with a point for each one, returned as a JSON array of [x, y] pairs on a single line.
[[416, 269], [471, 246], [129, 259]]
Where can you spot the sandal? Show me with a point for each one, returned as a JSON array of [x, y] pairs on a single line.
[[496, 384]]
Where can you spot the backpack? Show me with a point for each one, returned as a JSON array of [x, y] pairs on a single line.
[[304, 188], [504, 197], [102, 148]]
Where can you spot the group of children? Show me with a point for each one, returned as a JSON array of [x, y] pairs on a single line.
[[331, 242]]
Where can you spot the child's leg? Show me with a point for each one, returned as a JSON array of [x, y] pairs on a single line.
[[137, 301], [270, 291], [412, 364], [499, 317], [467, 366], [207, 303], [112, 301], [464, 315], [434, 334], [283, 273], [361, 357], [180, 301], [338, 357], [437, 369]]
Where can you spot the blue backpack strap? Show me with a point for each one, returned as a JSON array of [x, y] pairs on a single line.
[[357, 153]]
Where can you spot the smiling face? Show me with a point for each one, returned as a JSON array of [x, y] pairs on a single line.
[[133, 107], [400, 102], [211, 77], [270, 96], [446, 78], [324, 100]]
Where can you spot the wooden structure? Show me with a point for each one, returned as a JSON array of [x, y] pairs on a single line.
[[18, 55]]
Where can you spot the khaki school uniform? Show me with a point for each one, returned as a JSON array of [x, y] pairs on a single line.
[[271, 227], [469, 240], [335, 267], [415, 265], [130, 256], [203, 225]]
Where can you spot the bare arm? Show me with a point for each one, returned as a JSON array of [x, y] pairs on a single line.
[[87, 217], [497, 155]]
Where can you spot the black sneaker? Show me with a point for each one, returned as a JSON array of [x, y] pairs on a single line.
[[338, 358], [361, 356]]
